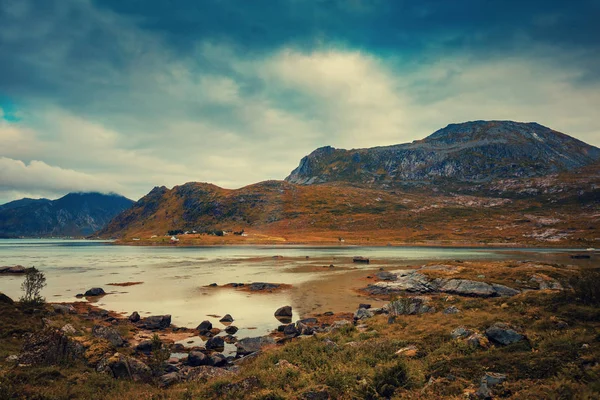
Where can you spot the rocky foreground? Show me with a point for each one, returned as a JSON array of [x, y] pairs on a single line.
[[480, 330]]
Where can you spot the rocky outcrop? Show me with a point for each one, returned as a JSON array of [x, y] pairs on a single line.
[[413, 281], [410, 306], [50, 347], [471, 151]]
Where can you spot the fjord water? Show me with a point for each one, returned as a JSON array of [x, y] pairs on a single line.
[[175, 278]]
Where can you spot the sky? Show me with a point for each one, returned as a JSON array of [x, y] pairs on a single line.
[[124, 95]]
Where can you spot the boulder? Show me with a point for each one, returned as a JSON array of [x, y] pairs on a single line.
[[477, 341], [363, 305], [226, 318], [4, 299], [197, 358], [361, 260], [68, 329], [169, 379], [204, 327], [145, 346], [465, 287], [63, 309], [337, 325], [94, 292], [490, 379], [545, 282], [460, 332], [156, 322], [50, 347], [215, 343], [285, 311], [17, 269], [231, 330], [218, 360], [451, 310], [290, 331], [134, 317], [409, 351], [410, 306], [503, 334], [304, 329], [308, 321], [203, 373], [123, 367], [386, 276], [108, 333], [363, 313], [252, 345]]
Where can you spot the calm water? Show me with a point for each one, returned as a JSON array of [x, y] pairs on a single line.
[[175, 277]]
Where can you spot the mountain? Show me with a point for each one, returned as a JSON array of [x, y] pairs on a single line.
[[76, 214], [478, 151]]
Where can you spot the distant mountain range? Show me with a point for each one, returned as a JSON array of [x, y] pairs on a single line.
[[76, 214], [494, 181], [478, 151]]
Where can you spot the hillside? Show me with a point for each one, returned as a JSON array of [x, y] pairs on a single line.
[[76, 214], [478, 151], [557, 210]]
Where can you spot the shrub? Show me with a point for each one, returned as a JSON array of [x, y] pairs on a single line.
[[159, 355], [33, 284], [387, 380], [585, 286]]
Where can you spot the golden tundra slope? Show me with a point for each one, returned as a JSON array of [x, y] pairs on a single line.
[[556, 210]]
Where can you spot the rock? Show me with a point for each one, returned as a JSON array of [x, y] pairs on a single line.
[[169, 379], [409, 351], [218, 360], [79, 295], [410, 306], [145, 346], [252, 345], [363, 305], [108, 333], [123, 367], [285, 311], [17, 269], [467, 287], [226, 318], [285, 364], [304, 329], [337, 325], [545, 282], [4, 299], [13, 358], [95, 292], [63, 309], [391, 319], [477, 341], [156, 322], [503, 334], [362, 313], [290, 331], [451, 310], [204, 327], [213, 285], [231, 330], [490, 379], [197, 358], [386, 276], [260, 286], [460, 332], [230, 339], [361, 260], [215, 343], [134, 317], [50, 347], [68, 329]]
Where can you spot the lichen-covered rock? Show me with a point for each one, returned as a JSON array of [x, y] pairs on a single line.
[[290, 331], [169, 379], [410, 306], [124, 367], [363, 313], [477, 341], [108, 333], [451, 310], [460, 332], [63, 308], [50, 347]]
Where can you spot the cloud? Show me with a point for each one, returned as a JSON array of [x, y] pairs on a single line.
[[39, 177], [133, 97]]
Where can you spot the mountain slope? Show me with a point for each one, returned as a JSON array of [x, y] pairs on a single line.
[[476, 151], [76, 214]]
